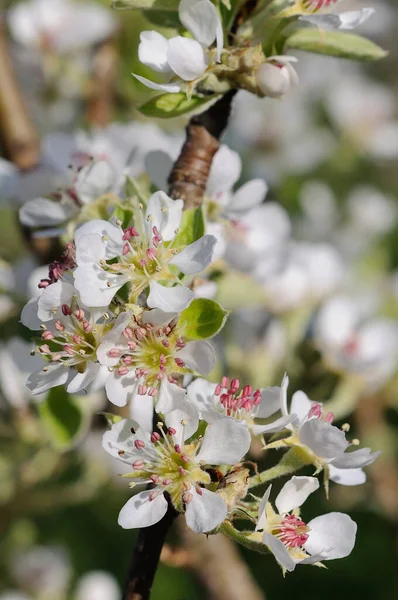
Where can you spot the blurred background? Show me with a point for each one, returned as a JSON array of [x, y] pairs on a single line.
[[328, 152]]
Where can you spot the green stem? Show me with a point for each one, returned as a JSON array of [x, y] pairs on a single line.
[[241, 537], [291, 462]]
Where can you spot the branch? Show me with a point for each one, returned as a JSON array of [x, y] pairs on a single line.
[[102, 89], [145, 559], [16, 128], [190, 173]]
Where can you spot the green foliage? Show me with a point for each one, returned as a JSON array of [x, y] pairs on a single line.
[[62, 417], [335, 43], [167, 105], [124, 215], [162, 18], [202, 319], [192, 227]]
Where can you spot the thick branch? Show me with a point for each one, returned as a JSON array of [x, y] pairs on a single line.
[[146, 556], [17, 131], [190, 173]]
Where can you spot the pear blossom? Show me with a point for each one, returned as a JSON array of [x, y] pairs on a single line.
[[276, 76], [16, 364], [183, 58], [144, 257], [324, 444], [290, 539], [70, 336], [352, 342], [176, 468], [228, 399], [332, 20], [99, 585], [59, 25], [144, 355]]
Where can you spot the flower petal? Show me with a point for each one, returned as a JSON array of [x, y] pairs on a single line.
[[225, 442], [41, 212], [94, 180], [81, 381], [280, 551], [186, 57], [205, 511], [96, 287], [198, 356], [200, 394], [346, 476], [29, 316], [165, 214], [195, 257], [173, 299], [170, 398], [119, 441], [295, 492], [201, 19], [171, 88], [225, 171], [110, 235], [152, 51], [184, 419], [248, 196], [359, 458], [300, 405], [140, 512], [262, 512], [141, 410], [120, 388], [345, 20], [274, 427], [52, 297], [325, 440], [50, 376], [331, 536], [270, 402]]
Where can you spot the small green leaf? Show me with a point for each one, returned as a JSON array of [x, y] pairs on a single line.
[[171, 5], [202, 319], [111, 419], [192, 227], [62, 417], [335, 43], [166, 105], [124, 215], [163, 18]]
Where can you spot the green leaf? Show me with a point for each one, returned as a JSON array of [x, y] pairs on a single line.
[[163, 18], [111, 419], [192, 227], [166, 105], [202, 319], [124, 215], [171, 5], [335, 43], [62, 417]]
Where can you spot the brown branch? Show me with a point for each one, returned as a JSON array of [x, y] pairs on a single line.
[[146, 556], [17, 131], [219, 566], [190, 173]]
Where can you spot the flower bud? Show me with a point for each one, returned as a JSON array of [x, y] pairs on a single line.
[[273, 80]]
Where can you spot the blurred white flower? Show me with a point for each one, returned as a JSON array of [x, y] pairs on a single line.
[[43, 570], [97, 585]]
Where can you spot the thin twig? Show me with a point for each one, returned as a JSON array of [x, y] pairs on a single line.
[[17, 131]]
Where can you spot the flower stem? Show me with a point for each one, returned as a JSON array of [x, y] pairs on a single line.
[[292, 461], [145, 559]]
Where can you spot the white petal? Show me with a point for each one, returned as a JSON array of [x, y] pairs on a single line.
[[171, 397], [200, 394], [119, 389], [152, 51], [344, 20], [248, 196], [82, 380], [141, 411], [283, 396], [200, 18], [346, 476], [300, 405], [274, 427], [186, 57], [122, 437], [165, 214], [195, 257], [52, 297], [94, 180], [173, 299], [262, 512], [205, 511], [270, 402], [225, 171], [279, 550], [358, 458], [295, 492], [198, 356], [157, 317], [225, 442], [42, 381], [273, 80], [171, 88], [325, 440], [140, 512], [45, 213], [110, 234], [92, 284], [91, 249], [29, 316], [331, 536], [184, 420], [114, 339]]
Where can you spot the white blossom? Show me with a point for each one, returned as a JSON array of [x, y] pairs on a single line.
[[277, 76], [177, 468]]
